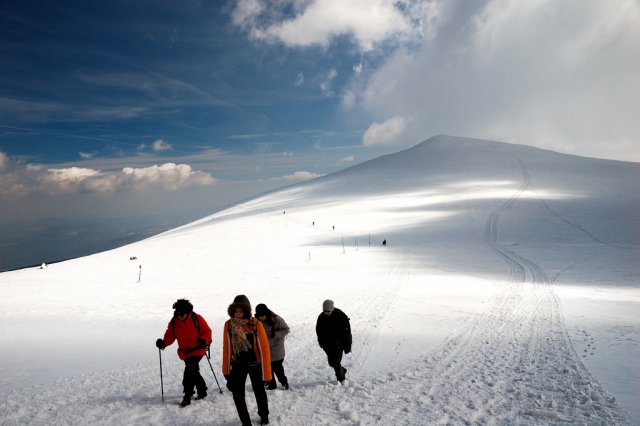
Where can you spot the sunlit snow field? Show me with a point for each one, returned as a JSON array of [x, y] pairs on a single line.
[[508, 292]]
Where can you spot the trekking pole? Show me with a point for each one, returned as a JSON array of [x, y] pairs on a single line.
[[161, 383], [208, 353]]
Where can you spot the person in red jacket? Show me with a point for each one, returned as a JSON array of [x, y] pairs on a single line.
[[245, 351], [193, 335]]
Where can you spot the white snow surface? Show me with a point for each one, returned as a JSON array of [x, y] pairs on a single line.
[[508, 293]]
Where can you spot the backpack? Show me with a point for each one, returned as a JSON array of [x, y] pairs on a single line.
[[194, 317]]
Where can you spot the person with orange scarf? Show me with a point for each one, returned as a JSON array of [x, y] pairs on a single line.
[[245, 352]]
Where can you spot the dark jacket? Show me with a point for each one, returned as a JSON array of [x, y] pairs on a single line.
[[334, 331]]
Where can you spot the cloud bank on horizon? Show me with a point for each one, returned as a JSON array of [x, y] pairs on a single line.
[[37, 179]]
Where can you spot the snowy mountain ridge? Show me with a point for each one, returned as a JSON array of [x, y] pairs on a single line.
[[507, 293]]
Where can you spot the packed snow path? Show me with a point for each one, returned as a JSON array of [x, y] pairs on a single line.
[[515, 363]]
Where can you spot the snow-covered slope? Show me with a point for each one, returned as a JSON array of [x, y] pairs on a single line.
[[507, 293]]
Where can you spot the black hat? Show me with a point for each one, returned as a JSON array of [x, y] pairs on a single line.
[[182, 306], [262, 309]]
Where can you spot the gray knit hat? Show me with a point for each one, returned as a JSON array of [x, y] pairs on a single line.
[[327, 305]]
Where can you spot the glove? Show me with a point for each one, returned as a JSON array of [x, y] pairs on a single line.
[[202, 344], [228, 379], [160, 344], [347, 349], [273, 333]]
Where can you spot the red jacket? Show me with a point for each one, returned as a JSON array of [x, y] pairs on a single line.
[[187, 335]]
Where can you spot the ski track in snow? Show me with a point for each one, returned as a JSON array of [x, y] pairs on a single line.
[[513, 364]]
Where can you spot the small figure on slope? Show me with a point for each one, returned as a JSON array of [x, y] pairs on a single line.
[[193, 335], [334, 336], [276, 329]]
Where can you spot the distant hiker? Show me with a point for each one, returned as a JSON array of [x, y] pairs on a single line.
[[333, 227], [384, 242], [194, 336], [245, 351], [334, 336], [276, 329]]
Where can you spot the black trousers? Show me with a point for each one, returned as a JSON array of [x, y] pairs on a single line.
[[239, 373], [278, 371], [192, 377], [334, 357]]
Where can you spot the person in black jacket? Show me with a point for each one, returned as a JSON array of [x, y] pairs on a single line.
[[334, 336]]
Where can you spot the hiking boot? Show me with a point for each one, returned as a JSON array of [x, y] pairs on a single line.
[[272, 385], [286, 386], [342, 376], [185, 401], [264, 420], [201, 396]]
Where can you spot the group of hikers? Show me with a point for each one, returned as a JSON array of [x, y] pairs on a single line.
[[252, 346]]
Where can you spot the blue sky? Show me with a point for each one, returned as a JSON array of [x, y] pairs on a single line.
[[96, 80], [120, 111]]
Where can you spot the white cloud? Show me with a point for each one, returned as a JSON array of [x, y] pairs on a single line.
[[560, 75], [345, 160], [161, 145], [167, 176], [55, 181], [299, 79], [157, 145], [318, 22], [300, 176], [325, 84], [71, 174], [357, 69], [87, 155], [386, 133], [246, 12]]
